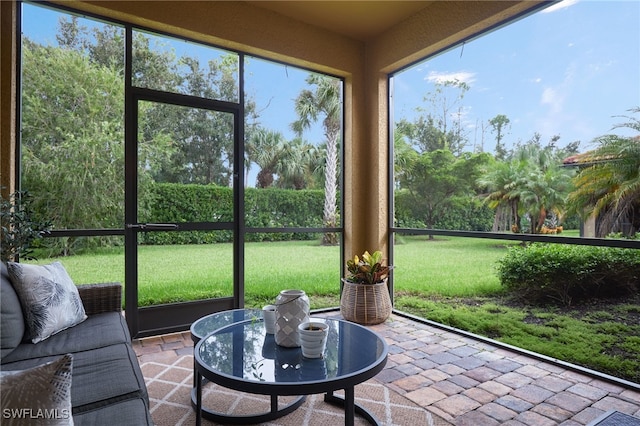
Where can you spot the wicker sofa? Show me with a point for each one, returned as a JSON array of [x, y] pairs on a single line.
[[107, 385]]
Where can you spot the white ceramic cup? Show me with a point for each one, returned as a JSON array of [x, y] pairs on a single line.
[[269, 315], [313, 341]]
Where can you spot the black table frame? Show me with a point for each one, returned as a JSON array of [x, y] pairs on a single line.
[[346, 382], [196, 336]]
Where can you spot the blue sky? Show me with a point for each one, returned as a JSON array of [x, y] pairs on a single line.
[[566, 71], [563, 71]]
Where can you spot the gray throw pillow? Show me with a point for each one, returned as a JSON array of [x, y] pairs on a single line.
[[49, 298], [12, 323], [39, 395]]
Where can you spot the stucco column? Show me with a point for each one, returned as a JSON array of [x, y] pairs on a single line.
[[366, 163], [7, 96]]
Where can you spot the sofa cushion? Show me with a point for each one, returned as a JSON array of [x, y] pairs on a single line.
[[104, 376], [100, 376], [97, 331], [133, 412], [39, 395], [49, 298], [12, 322]]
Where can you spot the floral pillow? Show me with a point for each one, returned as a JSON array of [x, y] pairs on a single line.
[[40, 395], [49, 298]]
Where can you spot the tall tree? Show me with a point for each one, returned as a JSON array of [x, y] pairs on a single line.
[[439, 126], [608, 185], [434, 180], [202, 140], [294, 167], [499, 178], [324, 102], [532, 184], [72, 139], [499, 124], [264, 148]]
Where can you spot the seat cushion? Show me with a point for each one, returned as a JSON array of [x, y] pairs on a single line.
[[104, 376], [95, 332], [49, 298], [38, 395], [100, 376], [133, 412], [12, 320]]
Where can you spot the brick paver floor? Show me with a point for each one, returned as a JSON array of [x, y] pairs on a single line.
[[471, 381]]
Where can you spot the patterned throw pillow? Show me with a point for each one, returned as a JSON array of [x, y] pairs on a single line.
[[49, 298], [39, 395]]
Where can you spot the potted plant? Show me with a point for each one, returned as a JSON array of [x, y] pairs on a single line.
[[19, 230], [365, 296]]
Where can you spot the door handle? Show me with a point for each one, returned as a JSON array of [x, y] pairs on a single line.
[[152, 226]]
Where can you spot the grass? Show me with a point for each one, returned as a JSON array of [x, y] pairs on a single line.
[[189, 272], [601, 338], [449, 280], [447, 266], [178, 273]]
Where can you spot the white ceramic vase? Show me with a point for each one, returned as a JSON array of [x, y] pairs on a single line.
[[313, 338], [292, 309]]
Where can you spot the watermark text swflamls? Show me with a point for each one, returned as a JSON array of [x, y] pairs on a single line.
[[36, 413]]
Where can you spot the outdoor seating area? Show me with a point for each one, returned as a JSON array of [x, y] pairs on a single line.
[[194, 157], [433, 374]]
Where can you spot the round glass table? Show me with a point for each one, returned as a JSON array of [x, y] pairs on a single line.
[[243, 357], [212, 322], [209, 323]]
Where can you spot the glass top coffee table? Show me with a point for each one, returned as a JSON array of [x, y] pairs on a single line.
[[212, 322], [243, 357]]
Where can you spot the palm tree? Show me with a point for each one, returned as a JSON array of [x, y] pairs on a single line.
[[499, 179], [543, 186], [532, 183], [310, 106], [294, 166], [264, 148], [609, 186]]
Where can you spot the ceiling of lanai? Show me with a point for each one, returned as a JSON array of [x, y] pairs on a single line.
[[360, 20]]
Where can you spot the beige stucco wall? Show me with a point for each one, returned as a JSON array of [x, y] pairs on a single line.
[[364, 66], [7, 91]]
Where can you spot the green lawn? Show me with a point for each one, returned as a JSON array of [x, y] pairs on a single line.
[[449, 280], [444, 266]]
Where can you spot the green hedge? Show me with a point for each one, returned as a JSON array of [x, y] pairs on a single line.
[[273, 208], [461, 214], [540, 273]]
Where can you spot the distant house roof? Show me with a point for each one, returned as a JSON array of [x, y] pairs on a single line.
[[585, 159], [590, 157]]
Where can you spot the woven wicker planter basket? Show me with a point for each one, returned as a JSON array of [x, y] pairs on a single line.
[[366, 304]]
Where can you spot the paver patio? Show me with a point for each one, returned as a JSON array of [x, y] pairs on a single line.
[[471, 381]]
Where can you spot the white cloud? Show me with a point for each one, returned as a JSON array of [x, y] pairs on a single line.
[[443, 77], [552, 98], [559, 6]]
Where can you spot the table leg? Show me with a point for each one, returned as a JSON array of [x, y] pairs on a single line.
[[198, 399], [349, 406], [275, 410]]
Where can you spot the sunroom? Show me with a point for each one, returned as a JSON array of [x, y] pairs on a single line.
[[183, 179]]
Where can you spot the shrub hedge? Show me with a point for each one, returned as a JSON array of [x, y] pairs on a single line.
[[178, 203], [274, 208], [563, 273], [460, 213]]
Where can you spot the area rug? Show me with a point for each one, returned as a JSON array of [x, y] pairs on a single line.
[[615, 418], [170, 383]]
